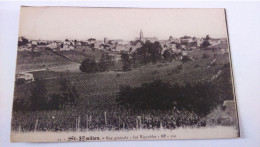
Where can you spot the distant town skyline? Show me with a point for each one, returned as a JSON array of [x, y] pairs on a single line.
[[60, 23]]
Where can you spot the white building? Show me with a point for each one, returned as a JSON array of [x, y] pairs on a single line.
[[34, 43], [28, 77], [52, 45]]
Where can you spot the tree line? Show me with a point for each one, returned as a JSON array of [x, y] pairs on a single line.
[[91, 65], [149, 52]]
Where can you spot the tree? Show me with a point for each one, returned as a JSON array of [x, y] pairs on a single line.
[[127, 65], [104, 62], [88, 65], [206, 42], [22, 41], [91, 39], [156, 52], [142, 55], [207, 37], [61, 46], [167, 55], [75, 42], [149, 52], [130, 49]]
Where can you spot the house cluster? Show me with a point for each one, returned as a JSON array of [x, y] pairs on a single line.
[[113, 48], [185, 43], [116, 45], [182, 44], [66, 45]]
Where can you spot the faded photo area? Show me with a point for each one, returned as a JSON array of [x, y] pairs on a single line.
[[107, 74]]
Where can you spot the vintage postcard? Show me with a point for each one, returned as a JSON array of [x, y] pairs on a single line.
[[109, 74]]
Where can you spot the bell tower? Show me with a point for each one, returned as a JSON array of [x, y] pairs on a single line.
[[141, 35]]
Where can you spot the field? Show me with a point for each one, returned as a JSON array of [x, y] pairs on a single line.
[[47, 59], [44, 59], [97, 108]]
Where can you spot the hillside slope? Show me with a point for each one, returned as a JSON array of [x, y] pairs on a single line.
[[28, 61]]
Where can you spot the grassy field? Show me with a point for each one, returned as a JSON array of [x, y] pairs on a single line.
[[98, 91], [81, 54], [27, 61], [44, 59]]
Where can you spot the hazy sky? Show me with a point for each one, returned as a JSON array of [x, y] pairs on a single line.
[[119, 23]]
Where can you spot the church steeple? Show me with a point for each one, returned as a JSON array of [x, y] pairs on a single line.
[[141, 35]]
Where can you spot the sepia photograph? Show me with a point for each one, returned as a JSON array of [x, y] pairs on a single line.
[[112, 74]]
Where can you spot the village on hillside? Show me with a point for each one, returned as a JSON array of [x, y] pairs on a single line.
[[185, 43], [114, 48], [101, 67], [117, 73]]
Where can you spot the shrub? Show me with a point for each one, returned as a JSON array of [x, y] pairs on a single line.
[[186, 59], [88, 65]]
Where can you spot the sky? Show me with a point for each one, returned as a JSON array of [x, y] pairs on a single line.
[[60, 23]]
